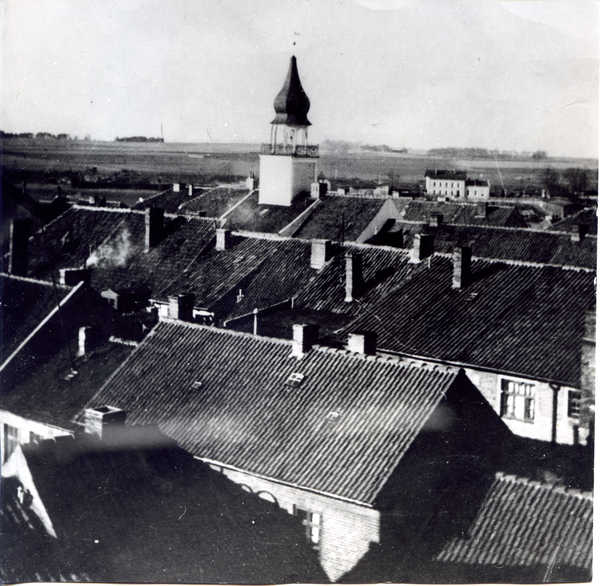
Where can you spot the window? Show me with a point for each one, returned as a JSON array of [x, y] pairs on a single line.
[[34, 438], [312, 524], [11, 440], [294, 379], [517, 400], [574, 404]]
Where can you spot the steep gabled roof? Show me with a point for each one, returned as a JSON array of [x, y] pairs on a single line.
[[527, 525], [25, 304], [230, 397], [143, 511], [586, 217], [521, 319], [338, 218]]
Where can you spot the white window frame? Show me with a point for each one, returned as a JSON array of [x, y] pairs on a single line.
[[517, 400], [312, 522]]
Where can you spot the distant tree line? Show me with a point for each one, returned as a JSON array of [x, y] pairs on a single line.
[[481, 153], [39, 135], [139, 139]]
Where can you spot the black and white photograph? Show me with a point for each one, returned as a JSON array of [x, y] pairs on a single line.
[[298, 291]]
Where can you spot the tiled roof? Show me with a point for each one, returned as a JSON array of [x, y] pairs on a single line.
[[457, 213], [340, 217], [586, 217], [451, 174], [383, 269], [515, 318], [214, 202], [254, 217], [25, 304], [47, 396], [225, 397], [525, 245], [528, 524], [147, 512], [168, 200]]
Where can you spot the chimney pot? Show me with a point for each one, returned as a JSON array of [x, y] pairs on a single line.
[[578, 232], [223, 239], [181, 307], [305, 336], [422, 247], [461, 270], [72, 277], [353, 275], [363, 343], [104, 421], [320, 252], [436, 220], [18, 247], [155, 218]]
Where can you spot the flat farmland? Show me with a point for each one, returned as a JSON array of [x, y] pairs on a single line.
[[203, 162]]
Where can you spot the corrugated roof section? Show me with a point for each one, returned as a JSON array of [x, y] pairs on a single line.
[[524, 523], [223, 396]]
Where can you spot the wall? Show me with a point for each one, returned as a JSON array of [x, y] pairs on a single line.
[[445, 187], [541, 427], [346, 529], [283, 177], [25, 427]]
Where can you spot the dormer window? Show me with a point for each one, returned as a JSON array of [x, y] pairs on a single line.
[[295, 379]]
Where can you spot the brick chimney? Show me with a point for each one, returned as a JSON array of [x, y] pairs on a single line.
[[436, 220], [320, 252], [422, 247], [154, 222], [304, 338], [104, 421], [72, 277], [578, 232], [318, 190], [181, 307], [18, 247], [482, 210], [461, 267], [223, 239], [353, 275], [362, 343]]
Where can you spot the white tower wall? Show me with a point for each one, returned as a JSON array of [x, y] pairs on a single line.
[[283, 177]]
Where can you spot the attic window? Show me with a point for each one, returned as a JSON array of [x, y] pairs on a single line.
[[294, 379], [333, 416], [472, 296], [238, 259], [196, 385]]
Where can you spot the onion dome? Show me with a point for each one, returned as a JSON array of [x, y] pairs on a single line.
[[292, 104]]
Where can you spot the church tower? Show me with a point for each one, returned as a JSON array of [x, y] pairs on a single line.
[[288, 164]]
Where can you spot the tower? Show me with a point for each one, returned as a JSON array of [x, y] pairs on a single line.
[[288, 164]]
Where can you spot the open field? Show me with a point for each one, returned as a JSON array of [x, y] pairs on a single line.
[[43, 161]]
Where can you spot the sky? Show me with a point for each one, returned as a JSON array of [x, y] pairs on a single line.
[[417, 74]]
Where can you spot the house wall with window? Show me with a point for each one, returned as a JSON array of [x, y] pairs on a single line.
[[449, 187], [533, 409], [340, 531], [18, 430]]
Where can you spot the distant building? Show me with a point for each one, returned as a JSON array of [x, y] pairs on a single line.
[[445, 183], [288, 164], [477, 188]]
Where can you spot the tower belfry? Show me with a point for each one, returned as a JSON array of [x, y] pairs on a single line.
[[288, 163]]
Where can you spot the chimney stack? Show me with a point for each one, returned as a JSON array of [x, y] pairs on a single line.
[[318, 189], [482, 210], [305, 337], [155, 218], [353, 275], [223, 239], [320, 252], [363, 343], [578, 232], [18, 247], [181, 307], [72, 277], [436, 220], [88, 338], [422, 247], [461, 272], [104, 421]]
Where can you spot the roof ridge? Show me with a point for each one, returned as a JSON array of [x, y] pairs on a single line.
[[574, 492], [32, 280], [524, 263], [333, 194], [107, 209]]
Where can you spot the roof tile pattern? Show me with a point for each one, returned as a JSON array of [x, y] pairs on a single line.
[[340, 218], [524, 523], [224, 396], [214, 202], [457, 213], [521, 319], [526, 245]]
